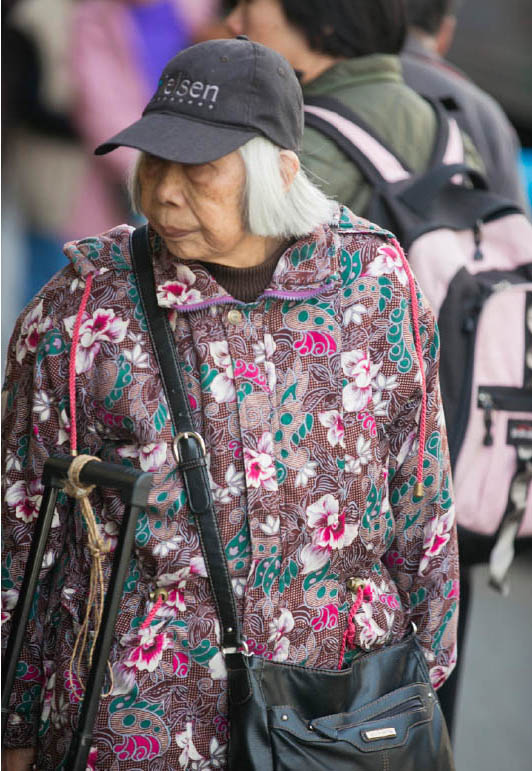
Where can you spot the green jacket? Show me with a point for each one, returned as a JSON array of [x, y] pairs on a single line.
[[373, 87]]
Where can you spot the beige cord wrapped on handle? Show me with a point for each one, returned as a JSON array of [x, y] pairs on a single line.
[[97, 547]]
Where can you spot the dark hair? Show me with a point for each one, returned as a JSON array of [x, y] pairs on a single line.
[[349, 28], [428, 14]]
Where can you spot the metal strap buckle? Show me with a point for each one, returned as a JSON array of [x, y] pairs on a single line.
[[243, 648], [187, 435]]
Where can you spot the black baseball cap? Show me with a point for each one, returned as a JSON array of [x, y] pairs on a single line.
[[214, 97]]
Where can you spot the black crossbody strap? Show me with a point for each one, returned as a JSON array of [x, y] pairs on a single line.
[[189, 448]]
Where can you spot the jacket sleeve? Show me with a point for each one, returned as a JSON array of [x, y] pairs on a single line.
[[423, 558], [32, 429]]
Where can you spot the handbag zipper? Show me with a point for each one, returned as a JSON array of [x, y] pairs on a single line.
[[414, 703]]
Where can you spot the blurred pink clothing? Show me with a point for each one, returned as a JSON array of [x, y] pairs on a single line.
[[111, 92]]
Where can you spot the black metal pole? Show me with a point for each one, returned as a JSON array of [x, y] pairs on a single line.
[[82, 738], [26, 598], [134, 487]]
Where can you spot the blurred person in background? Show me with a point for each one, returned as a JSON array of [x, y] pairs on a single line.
[[118, 49], [73, 73], [431, 27], [40, 143], [347, 49]]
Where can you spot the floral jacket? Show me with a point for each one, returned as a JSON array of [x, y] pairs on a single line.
[[308, 400]]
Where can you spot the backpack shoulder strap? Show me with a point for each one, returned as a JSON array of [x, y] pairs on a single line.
[[377, 162], [448, 145]]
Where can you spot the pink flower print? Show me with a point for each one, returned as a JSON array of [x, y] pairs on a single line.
[[175, 601], [358, 367], [123, 679], [393, 559], [271, 375], [49, 687], [73, 688], [223, 386], [42, 404], [184, 742], [92, 758], [439, 674], [197, 567], [149, 653], [26, 498], [63, 434], [180, 664], [217, 668], [334, 422], [437, 534], [151, 456], [282, 625], [390, 600], [452, 589], [363, 456], [330, 530], [281, 649], [370, 632], [103, 326], [353, 314], [220, 354], [9, 600], [327, 618], [264, 349], [259, 649], [110, 535], [260, 465], [388, 261], [313, 558], [178, 292], [279, 628], [31, 330]]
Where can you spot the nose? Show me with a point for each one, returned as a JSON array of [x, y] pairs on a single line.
[[234, 21], [169, 184]]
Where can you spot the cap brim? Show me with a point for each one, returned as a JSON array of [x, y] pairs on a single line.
[[180, 139]]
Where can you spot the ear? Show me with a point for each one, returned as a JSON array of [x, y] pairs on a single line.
[[445, 34], [289, 163]]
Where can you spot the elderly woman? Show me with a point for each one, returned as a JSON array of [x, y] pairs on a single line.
[[317, 398]]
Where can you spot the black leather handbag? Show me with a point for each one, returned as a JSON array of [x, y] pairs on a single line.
[[380, 714]]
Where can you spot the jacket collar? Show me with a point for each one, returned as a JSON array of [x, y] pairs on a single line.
[[303, 270], [349, 72]]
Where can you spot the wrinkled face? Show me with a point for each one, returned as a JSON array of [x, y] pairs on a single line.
[[264, 21], [196, 208]]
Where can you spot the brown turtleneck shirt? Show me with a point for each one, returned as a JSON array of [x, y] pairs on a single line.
[[246, 284]]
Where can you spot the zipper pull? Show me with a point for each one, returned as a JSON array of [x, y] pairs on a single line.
[[486, 402], [477, 238]]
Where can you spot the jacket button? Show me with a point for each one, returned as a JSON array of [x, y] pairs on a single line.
[[234, 316], [162, 593], [354, 584]]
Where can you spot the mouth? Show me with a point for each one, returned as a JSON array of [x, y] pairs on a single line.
[[173, 233]]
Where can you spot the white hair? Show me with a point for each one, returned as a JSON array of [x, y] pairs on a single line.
[[269, 209]]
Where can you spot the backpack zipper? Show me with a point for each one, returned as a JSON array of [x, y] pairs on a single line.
[[507, 398], [469, 328]]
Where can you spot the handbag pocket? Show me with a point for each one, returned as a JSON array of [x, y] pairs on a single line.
[[393, 732]]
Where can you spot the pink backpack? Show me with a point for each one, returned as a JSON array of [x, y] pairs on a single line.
[[471, 252]]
